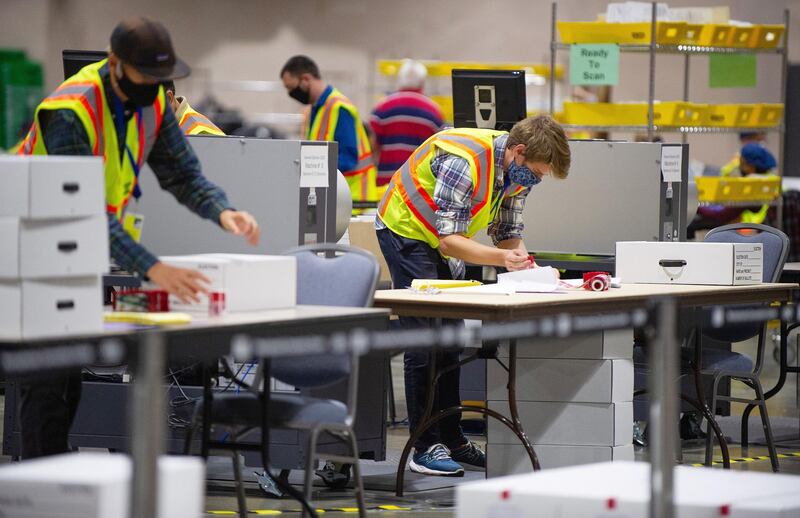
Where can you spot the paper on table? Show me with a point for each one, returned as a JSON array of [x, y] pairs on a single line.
[[534, 280], [483, 289]]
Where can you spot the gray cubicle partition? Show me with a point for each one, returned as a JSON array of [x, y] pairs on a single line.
[[614, 192], [261, 176]]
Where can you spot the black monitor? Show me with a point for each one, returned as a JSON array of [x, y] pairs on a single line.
[[74, 60], [492, 99]]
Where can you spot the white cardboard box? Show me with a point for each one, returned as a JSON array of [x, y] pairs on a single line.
[[35, 249], [580, 381], [606, 345], [51, 186], [512, 459], [50, 307], [584, 492], [97, 485], [566, 424], [250, 282], [689, 263]]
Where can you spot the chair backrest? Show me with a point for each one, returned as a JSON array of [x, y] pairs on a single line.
[[776, 249], [328, 275], [776, 244]]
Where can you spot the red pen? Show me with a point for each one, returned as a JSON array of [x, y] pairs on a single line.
[[533, 260]]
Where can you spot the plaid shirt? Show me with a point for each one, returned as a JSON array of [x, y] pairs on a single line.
[[453, 195], [172, 160]]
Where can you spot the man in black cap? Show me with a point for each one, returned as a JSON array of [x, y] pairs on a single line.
[[117, 109]]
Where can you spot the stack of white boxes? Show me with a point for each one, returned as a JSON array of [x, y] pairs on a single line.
[[575, 401], [54, 242]]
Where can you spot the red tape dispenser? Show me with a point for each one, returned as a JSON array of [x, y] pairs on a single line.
[[596, 281]]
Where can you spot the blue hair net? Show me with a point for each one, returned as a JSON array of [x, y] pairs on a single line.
[[759, 157]]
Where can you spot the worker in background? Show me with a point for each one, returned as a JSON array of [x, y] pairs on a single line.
[[332, 117], [190, 120], [754, 159], [117, 109], [745, 138], [402, 121], [458, 183]]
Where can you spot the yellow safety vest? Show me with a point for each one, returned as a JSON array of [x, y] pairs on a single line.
[[408, 207], [195, 123], [731, 167], [84, 94], [362, 178]]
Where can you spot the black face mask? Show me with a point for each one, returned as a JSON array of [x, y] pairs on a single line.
[[139, 95], [300, 95]]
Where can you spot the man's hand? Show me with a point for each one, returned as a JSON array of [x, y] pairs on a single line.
[[517, 259], [181, 282], [241, 224]]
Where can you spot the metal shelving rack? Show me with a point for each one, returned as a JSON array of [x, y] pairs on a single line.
[[687, 51]]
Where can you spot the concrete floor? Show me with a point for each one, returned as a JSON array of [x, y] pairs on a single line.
[[440, 502]]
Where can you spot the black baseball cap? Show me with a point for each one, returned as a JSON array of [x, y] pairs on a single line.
[[146, 46]]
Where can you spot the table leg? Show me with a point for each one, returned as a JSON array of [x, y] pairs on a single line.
[[148, 422], [207, 406], [512, 404], [663, 411]]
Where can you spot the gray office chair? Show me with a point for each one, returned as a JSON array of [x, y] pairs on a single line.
[[327, 275], [728, 364]]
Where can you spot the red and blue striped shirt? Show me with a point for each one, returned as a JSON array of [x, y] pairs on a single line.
[[401, 123]]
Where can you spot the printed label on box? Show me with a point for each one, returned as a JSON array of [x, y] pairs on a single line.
[[748, 263]]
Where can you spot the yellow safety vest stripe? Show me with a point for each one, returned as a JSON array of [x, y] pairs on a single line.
[[363, 176], [85, 95], [408, 207]]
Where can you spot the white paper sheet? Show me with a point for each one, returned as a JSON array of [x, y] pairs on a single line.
[[533, 280]]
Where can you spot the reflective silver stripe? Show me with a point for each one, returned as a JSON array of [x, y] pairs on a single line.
[[482, 159], [27, 147], [193, 119], [149, 118], [419, 205], [386, 196], [363, 163], [88, 92]]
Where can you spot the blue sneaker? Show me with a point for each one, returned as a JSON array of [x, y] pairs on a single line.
[[436, 460], [469, 454]]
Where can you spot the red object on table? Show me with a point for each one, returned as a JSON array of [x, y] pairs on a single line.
[[140, 300], [596, 281]]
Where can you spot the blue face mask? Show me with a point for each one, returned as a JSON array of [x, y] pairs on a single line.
[[521, 175]]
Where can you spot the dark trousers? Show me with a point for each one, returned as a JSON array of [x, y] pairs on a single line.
[[47, 408], [409, 259]]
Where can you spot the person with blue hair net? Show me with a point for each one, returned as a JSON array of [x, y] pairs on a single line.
[[745, 138], [754, 159]]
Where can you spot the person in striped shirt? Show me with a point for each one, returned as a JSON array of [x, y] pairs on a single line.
[[402, 121]]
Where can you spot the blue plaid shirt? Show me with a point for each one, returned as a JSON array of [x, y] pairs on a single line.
[[453, 195], [172, 160]]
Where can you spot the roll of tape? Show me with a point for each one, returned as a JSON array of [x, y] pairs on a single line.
[[596, 281]]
